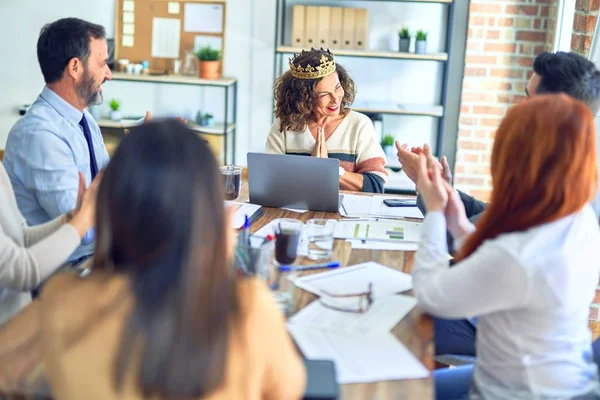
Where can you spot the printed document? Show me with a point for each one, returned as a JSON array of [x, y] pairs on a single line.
[[359, 359], [386, 281], [383, 315]]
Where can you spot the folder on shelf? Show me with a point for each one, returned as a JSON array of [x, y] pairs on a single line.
[[323, 27], [311, 27], [361, 33], [335, 27], [298, 25], [349, 23]]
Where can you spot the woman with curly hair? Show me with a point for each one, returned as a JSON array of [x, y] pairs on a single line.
[[313, 118]]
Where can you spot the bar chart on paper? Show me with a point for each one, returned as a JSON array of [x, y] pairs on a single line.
[[378, 230]]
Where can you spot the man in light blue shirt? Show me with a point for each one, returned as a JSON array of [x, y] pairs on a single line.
[[57, 137]]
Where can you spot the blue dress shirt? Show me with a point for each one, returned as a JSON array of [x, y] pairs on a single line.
[[44, 152]]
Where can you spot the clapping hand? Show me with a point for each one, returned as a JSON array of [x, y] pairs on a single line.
[[84, 215], [430, 183]]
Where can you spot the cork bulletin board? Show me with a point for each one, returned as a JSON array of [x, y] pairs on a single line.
[[160, 31]]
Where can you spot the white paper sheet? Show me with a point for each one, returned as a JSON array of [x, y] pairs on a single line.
[[372, 206], [296, 210], [166, 36], [360, 359], [379, 230], [173, 7], [383, 315], [128, 29], [129, 5], [242, 209], [206, 18], [375, 245], [386, 281], [127, 41], [128, 18], [378, 208], [212, 41]]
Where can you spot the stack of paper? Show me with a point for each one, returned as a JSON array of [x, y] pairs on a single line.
[[372, 206], [252, 211], [386, 281], [361, 345], [359, 359]]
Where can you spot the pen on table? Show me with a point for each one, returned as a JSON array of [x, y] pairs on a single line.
[[285, 268], [247, 229]]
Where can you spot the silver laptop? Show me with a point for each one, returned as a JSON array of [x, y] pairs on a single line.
[[300, 182]]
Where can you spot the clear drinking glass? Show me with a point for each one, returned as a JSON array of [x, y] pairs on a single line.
[[320, 238], [232, 181], [256, 258], [288, 233]]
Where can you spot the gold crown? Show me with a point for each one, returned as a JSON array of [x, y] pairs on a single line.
[[325, 67]]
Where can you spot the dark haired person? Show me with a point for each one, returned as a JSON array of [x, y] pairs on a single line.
[[162, 314], [57, 137], [559, 72], [313, 118]]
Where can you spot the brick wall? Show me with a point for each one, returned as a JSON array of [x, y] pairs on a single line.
[[586, 13], [503, 38]]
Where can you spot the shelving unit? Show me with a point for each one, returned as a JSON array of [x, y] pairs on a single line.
[[433, 111], [222, 136]]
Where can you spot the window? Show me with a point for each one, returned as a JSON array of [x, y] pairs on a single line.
[[564, 25]]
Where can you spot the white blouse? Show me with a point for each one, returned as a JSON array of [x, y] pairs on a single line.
[[531, 291]]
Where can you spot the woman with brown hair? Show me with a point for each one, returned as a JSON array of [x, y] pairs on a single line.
[[529, 268], [313, 118], [162, 314]]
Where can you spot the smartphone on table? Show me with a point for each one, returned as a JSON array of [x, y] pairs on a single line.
[[400, 202]]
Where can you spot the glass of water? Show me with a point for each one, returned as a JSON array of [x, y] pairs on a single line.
[[320, 238]]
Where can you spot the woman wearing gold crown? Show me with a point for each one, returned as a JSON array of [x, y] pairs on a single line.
[[313, 118]]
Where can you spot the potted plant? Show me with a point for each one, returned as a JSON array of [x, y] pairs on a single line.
[[209, 120], [210, 62], [421, 42], [387, 142], [115, 113], [404, 40]]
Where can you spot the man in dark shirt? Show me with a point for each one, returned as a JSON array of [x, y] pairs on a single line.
[[559, 72]]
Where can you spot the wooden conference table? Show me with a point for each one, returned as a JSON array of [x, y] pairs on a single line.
[[22, 371]]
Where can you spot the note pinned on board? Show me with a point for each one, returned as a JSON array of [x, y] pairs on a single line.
[[174, 7], [129, 5], [127, 41], [213, 41], [205, 18], [128, 18], [166, 37], [128, 29]]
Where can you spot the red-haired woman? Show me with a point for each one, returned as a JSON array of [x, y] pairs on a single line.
[[530, 267]]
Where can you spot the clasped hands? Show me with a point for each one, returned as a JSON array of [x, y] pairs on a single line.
[[320, 149]]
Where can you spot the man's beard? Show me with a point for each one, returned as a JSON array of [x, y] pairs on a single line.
[[88, 91]]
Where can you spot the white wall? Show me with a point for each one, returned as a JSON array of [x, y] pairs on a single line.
[[248, 57], [20, 23]]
